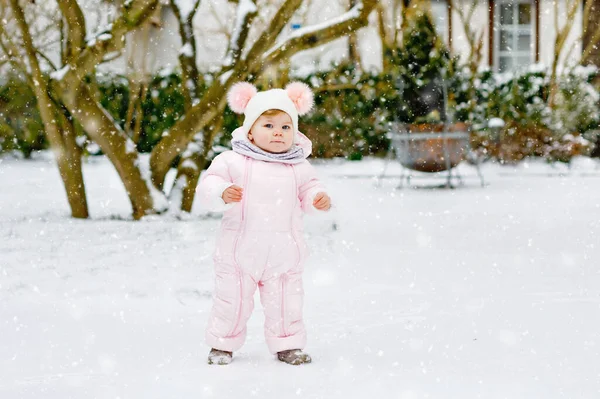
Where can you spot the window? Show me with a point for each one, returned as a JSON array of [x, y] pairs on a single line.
[[514, 34]]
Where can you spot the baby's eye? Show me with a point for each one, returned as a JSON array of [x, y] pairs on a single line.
[[286, 126], [269, 125]]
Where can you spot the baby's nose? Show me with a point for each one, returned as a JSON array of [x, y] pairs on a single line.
[[277, 132]]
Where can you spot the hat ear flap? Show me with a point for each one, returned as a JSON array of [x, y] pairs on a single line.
[[239, 95], [301, 95]]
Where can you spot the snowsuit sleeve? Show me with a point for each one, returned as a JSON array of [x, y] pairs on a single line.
[[213, 182], [310, 185]]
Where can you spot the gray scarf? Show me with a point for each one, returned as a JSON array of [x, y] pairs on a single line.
[[244, 147]]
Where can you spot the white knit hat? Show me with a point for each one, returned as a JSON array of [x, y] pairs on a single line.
[[296, 99]]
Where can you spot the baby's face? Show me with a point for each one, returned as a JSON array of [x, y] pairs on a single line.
[[273, 133]]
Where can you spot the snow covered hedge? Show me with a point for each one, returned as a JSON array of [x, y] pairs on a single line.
[[354, 111], [532, 127]]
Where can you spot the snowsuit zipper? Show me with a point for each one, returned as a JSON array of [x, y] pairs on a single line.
[[284, 276], [283, 280], [238, 269]]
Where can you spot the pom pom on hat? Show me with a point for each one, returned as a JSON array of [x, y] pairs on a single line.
[[301, 95], [239, 95]]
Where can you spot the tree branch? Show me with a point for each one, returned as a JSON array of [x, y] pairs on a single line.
[[187, 54], [39, 84], [135, 12], [269, 35], [561, 37], [48, 60], [474, 5], [383, 34], [556, 26], [246, 11], [591, 46], [185, 14], [76, 29], [563, 33], [9, 48], [317, 35], [13, 57], [595, 37]]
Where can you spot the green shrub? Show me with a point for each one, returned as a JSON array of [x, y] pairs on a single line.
[[532, 127], [419, 68], [162, 106], [577, 103], [348, 119], [21, 127], [354, 109]]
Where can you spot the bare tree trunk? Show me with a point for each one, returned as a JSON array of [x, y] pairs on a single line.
[[397, 12], [190, 166], [135, 112], [353, 50], [76, 188], [187, 53], [475, 41], [406, 5], [139, 113], [386, 46], [119, 149], [75, 40], [134, 93], [590, 37], [591, 33], [559, 42], [68, 155], [389, 29], [138, 77], [80, 102], [191, 163], [188, 174]]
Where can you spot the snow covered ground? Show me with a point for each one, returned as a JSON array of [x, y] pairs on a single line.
[[420, 293]]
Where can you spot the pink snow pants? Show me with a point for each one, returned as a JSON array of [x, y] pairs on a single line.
[[273, 262]]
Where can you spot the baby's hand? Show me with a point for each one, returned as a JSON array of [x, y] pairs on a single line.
[[232, 194], [322, 201]]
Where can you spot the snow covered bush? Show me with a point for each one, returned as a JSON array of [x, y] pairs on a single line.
[[532, 128], [577, 102], [518, 99], [350, 115], [459, 80], [355, 110], [577, 109]]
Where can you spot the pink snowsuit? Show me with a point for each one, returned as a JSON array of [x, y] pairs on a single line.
[[260, 243]]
